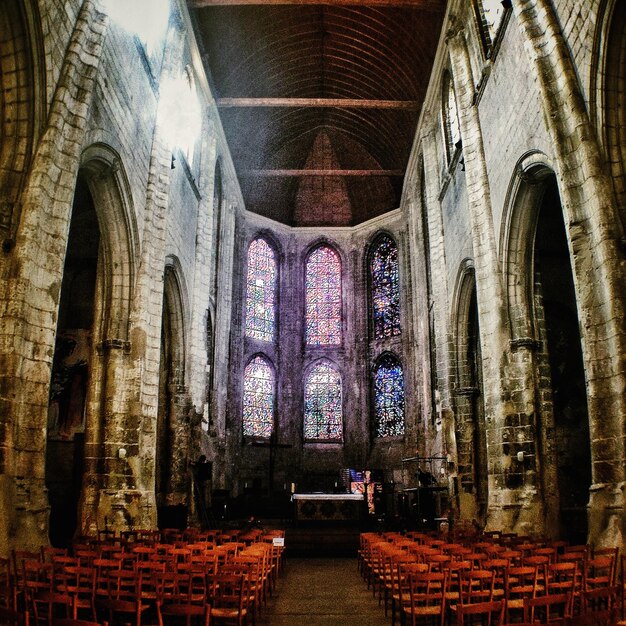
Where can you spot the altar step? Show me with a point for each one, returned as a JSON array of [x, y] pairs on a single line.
[[322, 541]]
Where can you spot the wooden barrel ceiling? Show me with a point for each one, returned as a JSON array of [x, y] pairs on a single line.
[[319, 102]]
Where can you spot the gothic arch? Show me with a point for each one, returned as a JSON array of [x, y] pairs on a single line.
[[172, 426], [470, 428], [175, 299], [608, 92], [102, 169], [517, 237]]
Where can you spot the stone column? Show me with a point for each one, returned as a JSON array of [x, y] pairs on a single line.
[[513, 501], [31, 289], [596, 244], [200, 359], [126, 494]]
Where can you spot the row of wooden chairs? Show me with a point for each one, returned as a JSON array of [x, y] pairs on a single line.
[[167, 579], [486, 571]]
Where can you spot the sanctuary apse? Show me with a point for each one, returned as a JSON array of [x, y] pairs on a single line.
[[301, 238]]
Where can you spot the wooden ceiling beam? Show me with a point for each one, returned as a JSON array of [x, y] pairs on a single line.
[[345, 103], [267, 173], [437, 6]]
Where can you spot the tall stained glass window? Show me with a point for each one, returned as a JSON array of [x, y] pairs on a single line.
[[385, 288], [323, 297], [322, 404], [261, 291], [388, 397], [258, 398]]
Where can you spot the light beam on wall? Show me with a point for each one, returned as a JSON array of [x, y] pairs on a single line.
[[180, 114]]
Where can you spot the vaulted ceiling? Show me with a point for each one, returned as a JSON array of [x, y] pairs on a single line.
[[319, 102]]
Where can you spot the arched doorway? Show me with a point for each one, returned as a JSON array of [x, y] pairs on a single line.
[[470, 414], [71, 368], [556, 316], [172, 472]]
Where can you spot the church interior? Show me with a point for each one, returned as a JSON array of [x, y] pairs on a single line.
[[337, 265]]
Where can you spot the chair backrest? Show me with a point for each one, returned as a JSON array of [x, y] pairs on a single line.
[[489, 613], [548, 609], [226, 591]]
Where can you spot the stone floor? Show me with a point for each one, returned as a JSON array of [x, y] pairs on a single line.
[[321, 592]]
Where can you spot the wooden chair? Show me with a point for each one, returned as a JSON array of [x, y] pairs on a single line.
[[228, 598], [177, 602], [548, 609], [123, 598], [521, 584], [599, 608], [401, 587], [427, 598]]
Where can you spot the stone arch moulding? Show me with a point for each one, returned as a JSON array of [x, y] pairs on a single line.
[[519, 222], [106, 178], [598, 80], [461, 302], [23, 110], [176, 295]]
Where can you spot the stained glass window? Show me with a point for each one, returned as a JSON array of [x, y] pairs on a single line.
[[323, 297], [385, 288], [388, 397], [322, 404], [258, 398], [261, 291]]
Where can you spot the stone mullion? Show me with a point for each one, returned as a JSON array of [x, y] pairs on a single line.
[[507, 496], [30, 292], [594, 235], [440, 299], [202, 279], [127, 485], [223, 312], [440, 294]]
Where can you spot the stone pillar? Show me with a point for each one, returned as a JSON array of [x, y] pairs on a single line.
[[200, 358], [31, 289], [126, 481], [596, 245], [513, 499]]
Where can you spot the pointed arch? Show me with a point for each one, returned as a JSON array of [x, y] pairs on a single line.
[[323, 296], [261, 290], [106, 178], [323, 403], [259, 397], [384, 280], [389, 401]]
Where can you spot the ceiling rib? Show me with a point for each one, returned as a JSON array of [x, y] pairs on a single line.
[[314, 172], [437, 6], [345, 103]]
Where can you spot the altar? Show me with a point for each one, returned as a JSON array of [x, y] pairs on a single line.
[[330, 507]]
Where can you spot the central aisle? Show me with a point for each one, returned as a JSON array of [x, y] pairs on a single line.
[[321, 592]]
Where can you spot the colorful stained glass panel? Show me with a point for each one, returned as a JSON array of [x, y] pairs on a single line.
[[258, 398], [322, 404], [388, 398], [385, 289], [323, 297], [261, 291]]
